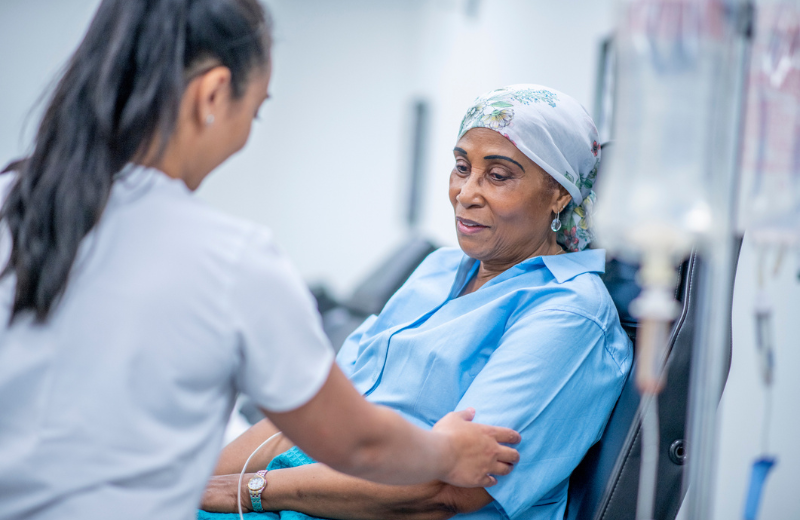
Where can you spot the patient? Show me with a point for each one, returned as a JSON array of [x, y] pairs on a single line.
[[515, 324]]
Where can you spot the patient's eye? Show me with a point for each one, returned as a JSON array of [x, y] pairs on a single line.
[[462, 167], [498, 176]]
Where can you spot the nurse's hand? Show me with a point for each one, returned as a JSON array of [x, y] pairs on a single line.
[[475, 449]]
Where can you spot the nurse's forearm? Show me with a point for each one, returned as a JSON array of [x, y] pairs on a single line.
[[317, 490], [340, 428]]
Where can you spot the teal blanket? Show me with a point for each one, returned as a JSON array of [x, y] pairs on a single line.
[[289, 459]]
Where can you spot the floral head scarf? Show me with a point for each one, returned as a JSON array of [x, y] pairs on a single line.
[[554, 131]]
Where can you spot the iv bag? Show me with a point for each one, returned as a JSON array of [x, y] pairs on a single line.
[[653, 189], [770, 206]]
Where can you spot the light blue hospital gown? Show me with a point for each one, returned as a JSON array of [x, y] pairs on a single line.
[[538, 348]]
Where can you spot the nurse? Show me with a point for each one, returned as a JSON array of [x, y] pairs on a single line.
[[132, 313]]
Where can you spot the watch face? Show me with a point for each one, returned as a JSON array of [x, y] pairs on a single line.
[[256, 483]]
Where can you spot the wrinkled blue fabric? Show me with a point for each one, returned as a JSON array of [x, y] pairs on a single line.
[[539, 348]]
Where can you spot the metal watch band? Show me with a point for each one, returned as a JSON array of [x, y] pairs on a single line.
[[255, 494]]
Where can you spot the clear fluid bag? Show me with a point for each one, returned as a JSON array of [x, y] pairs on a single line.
[[661, 186], [770, 202], [653, 191]]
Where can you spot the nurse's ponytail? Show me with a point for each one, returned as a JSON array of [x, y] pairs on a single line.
[[120, 91]]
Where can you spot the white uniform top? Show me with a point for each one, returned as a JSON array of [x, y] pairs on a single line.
[[115, 408]]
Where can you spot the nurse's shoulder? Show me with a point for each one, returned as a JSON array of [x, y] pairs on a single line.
[[148, 205]]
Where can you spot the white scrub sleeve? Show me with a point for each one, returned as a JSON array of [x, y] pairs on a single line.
[[285, 355]]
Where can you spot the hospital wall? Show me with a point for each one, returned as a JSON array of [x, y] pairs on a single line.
[[327, 167]]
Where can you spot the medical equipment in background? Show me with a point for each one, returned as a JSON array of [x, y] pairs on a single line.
[[669, 186], [770, 205], [771, 164], [340, 317], [420, 111], [764, 343], [604, 91]]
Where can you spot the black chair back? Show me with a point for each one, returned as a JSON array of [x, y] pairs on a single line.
[[605, 484]]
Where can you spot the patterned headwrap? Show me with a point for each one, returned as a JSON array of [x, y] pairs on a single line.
[[554, 131]]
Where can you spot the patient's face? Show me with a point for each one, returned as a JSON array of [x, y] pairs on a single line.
[[501, 200]]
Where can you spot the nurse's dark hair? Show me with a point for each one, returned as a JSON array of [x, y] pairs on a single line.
[[118, 99]]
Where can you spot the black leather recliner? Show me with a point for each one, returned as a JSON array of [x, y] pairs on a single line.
[[604, 486], [339, 319]]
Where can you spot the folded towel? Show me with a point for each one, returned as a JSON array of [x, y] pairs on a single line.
[[290, 458]]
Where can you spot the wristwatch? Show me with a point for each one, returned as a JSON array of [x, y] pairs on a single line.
[[256, 486]]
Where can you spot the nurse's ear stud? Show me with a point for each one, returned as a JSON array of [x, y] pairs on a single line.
[[209, 119]]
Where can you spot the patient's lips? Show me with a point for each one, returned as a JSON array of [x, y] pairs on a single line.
[[469, 227]]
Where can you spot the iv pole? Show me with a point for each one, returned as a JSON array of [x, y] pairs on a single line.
[[712, 338]]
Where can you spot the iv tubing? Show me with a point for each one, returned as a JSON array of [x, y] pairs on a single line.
[[767, 418], [241, 475], [648, 472], [655, 308]]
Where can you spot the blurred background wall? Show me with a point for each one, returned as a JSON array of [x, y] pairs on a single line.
[[328, 166]]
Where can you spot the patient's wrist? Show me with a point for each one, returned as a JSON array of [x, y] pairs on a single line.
[[284, 494], [244, 495]]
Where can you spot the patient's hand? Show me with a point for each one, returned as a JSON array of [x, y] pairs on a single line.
[[220, 494]]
